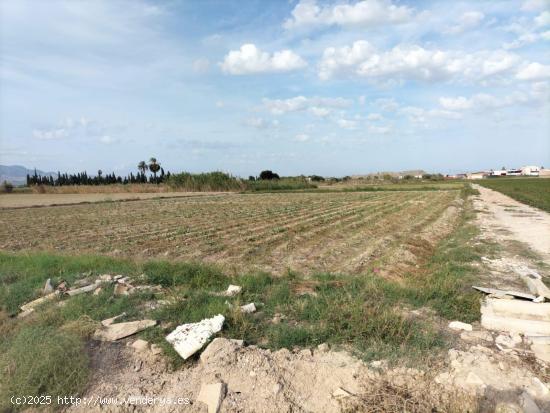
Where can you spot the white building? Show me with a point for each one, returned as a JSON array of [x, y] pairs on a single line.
[[530, 170]]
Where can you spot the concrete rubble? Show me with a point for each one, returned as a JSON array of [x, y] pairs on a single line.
[[140, 345], [233, 290], [38, 301], [212, 395], [109, 321], [248, 308], [503, 293], [516, 316], [460, 326], [189, 338], [113, 332], [48, 288]]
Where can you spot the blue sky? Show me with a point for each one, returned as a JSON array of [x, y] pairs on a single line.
[[299, 87]]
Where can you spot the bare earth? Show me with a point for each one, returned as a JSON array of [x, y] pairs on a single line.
[[308, 232], [40, 200], [522, 222], [476, 375]]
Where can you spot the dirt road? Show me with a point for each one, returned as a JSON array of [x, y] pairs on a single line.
[[509, 219], [39, 200]]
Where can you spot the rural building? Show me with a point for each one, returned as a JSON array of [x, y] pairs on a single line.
[[476, 175], [530, 170]]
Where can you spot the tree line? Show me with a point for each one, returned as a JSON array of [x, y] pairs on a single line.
[[82, 178]]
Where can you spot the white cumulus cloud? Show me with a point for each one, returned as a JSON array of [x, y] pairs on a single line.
[[365, 13], [534, 71], [413, 62], [467, 21], [249, 59], [318, 106]]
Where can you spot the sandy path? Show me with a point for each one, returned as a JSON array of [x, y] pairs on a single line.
[[522, 222], [38, 200]]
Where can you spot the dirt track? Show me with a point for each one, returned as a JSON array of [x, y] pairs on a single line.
[[519, 221], [40, 200]]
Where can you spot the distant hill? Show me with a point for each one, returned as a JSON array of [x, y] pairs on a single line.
[[17, 174]]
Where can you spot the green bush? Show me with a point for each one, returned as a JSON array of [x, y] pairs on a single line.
[[210, 181], [283, 184], [6, 187], [39, 361]]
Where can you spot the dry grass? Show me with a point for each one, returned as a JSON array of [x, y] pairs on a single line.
[[101, 189], [307, 232], [422, 396]]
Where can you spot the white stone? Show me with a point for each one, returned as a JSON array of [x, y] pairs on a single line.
[[156, 349], [248, 308], [340, 393], [516, 316], [474, 380], [109, 321], [189, 338], [82, 290], [212, 395], [140, 345], [324, 347], [233, 290], [476, 335], [508, 341], [38, 301], [528, 404], [106, 277], [459, 325], [115, 332], [48, 289]]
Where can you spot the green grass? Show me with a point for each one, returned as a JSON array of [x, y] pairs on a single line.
[[365, 313], [41, 361], [530, 191], [283, 184]]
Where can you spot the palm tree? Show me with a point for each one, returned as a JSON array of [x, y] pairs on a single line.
[[142, 166], [154, 166]]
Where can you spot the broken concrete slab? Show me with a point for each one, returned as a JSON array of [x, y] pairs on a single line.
[[48, 288], [528, 404], [31, 305], [122, 289], [109, 321], [212, 395], [156, 349], [460, 326], [516, 316], [140, 345], [117, 331], [248, 308], [232, 290], [86, 289], [476, 335], [340, 393], [503, 293], [106, 277], [536, 286], [189, 338], [506, 341], [540, 345]]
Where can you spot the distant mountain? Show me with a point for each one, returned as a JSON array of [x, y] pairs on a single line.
[[17, 174]]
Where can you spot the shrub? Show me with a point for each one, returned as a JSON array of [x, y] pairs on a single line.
[[6, 187], [42, 361], [268, 175], [284, 184], [210, 181]]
